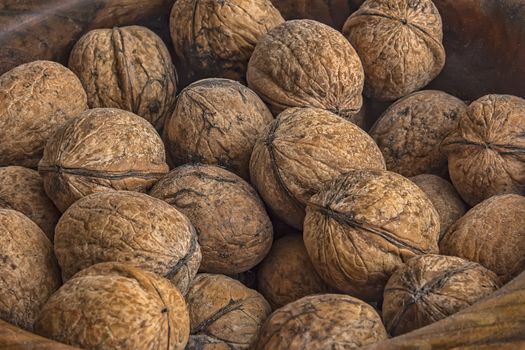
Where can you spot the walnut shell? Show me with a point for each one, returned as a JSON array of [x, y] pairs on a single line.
[[224, 313], [331, 12], [444, 198], [399, 43], [128, 68], [432, 287], [492, 234], [410, 131], [364, 225], [486, 153], [234, 231], [116, 306], [302, 149], [35, 99], [22, 189], [128, 227], [100, 150], [287, 274], [28, 271], [216, 38], [304, 63], [328, 321], [216, 121]]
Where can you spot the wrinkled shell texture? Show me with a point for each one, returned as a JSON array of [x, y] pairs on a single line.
[[431, 287], [399, 43], [128, 227], [330, 12], [216, 121], [22, 189], [363, 226], [224, 313], [492, 234], [115, 306], [444, 197], [28, 271], [234, 231], [216, 38], [100, 150], [287, 274], [328, 321], [410, 131], [302, 149], [303, 63], [486, 153], [128, 68], [35, 99]]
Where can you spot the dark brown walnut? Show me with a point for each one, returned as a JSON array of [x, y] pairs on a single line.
[[332, 13], [410, 131], [444, 198], [128, 68], [432, 287], [28, 271], [35, 99], [22, 189], [304, 63], [486, 153], [287, 274], [131, 228], [224, 314], [116, 306], [300, 151], [234, 231], [399, 43], [216, 38], [101, 150], [362, 226], [492, 234], [216, 121], [327, 321]]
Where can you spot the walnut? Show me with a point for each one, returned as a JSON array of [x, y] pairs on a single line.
[[304, 63], [410, 131], [100, 150], [128, 227], [364, 225], [22, 189], [486, 153], [444, 198], [234, 231], [28, 271], [330, 12], [128, 68], [116, 306], [224, 313], [492, 234], [35, 99], [216, 38], [302, 149], [399, 43], [287, 274], [431, 287], [328, 321], [216, 121]]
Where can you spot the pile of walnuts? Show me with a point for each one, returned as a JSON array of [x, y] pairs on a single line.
[[224, 194]]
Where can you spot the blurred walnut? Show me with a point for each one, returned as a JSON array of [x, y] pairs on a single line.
[[330, 12]]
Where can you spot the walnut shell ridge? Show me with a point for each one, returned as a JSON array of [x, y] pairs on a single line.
[[486, 153], [128, 227], [300, 151], [399, 43], [116, 306], [128, 68], [304, 63], [29, 273], [35, 99], [362, 226], [102, 149]]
